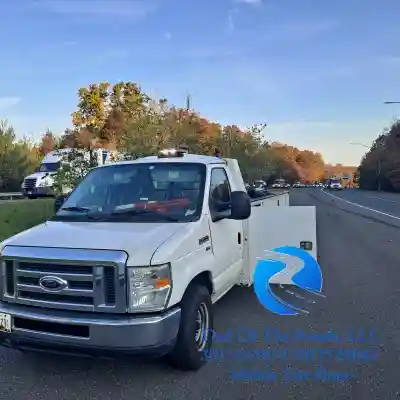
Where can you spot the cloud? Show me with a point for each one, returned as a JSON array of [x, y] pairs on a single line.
[[6, 102], [231, 20], [106, 8], [254, 3], [299, 30], [69, 43]]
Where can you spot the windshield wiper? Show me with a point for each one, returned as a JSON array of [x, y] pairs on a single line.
[[76, 209], [81, 210], [144, 212]]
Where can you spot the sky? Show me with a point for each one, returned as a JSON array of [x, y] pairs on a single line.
[[316, 71]]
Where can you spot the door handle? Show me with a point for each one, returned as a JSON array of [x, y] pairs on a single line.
[[257, 205], [239, 238]]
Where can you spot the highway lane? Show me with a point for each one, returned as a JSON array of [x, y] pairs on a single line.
[[380, 201], [359, 258]]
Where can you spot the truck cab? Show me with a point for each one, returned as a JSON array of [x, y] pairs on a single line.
[[136, 256], [40, 183], [335, 184]]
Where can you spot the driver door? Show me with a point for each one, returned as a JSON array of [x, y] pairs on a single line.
[[226, 234]]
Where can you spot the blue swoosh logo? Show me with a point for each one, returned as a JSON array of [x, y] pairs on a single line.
[[265, 269], [308, 278]]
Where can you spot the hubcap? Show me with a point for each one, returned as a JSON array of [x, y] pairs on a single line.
[[202, 326]]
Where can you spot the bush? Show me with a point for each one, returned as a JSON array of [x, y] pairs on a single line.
[[19, 215]]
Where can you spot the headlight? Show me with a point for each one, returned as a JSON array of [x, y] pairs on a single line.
[[149, 288]]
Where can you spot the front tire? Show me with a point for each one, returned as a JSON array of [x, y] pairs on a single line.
[[195, 330]]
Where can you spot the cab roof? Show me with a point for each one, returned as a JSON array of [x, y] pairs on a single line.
[[187, 158]]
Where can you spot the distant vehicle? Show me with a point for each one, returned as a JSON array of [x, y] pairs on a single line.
[[40, 183], [279, 184], [259, 188], [334, 184], [299, 185]]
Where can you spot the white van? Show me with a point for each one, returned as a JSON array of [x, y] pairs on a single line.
[[40, 183]]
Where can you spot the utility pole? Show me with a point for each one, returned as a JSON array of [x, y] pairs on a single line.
[[189, 115], [188, 102], [379, 173]]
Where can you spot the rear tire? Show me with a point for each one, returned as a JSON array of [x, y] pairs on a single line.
[[195, 330]]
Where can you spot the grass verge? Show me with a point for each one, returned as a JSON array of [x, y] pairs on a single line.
[[19, 215]]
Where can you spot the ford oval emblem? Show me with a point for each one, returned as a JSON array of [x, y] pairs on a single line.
[[52, 283]]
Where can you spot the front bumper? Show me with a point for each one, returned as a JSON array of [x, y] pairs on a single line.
[[38, 191], [83, 334]]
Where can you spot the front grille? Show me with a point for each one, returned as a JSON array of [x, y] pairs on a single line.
[[30, 183], [28, 274], [9, 278], [87, 280]]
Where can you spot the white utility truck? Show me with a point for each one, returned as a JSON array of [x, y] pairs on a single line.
[[136, 256], [40, 183]]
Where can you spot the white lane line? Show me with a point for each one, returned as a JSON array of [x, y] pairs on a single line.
[[359, 205]]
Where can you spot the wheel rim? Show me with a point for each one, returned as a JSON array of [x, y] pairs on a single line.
[[202, 326]]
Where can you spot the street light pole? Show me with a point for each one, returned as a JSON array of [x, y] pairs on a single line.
[[379, 173], [379, 167]]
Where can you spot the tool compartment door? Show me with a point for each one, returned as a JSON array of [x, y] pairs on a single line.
[[272, 227]]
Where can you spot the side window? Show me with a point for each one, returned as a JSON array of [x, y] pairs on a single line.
[[220, 190]]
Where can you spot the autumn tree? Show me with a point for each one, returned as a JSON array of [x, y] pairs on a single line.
[[48, 143], [123, 117]]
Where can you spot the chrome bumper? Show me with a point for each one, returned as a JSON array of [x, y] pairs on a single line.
[[87, 334], [38, 191]]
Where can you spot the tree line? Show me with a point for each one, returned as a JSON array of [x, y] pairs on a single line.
[[380, 167], [122, 117]]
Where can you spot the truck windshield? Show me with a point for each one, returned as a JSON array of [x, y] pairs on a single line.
[[335, 181], [50, 167], [145, 192]]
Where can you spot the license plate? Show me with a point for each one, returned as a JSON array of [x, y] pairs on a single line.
[[5, 322]]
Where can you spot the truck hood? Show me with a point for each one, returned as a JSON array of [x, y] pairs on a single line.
[[35, 175], [139, 240]]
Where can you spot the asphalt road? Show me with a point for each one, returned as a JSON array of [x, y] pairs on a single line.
[[360, 258]]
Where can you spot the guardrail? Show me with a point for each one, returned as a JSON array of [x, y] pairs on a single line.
[[11, 196]]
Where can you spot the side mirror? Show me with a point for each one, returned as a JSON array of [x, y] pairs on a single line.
[[251, 192], [240, 205], [59, 202]]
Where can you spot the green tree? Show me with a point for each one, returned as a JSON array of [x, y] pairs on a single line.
[[380, 166], [18, 158]]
